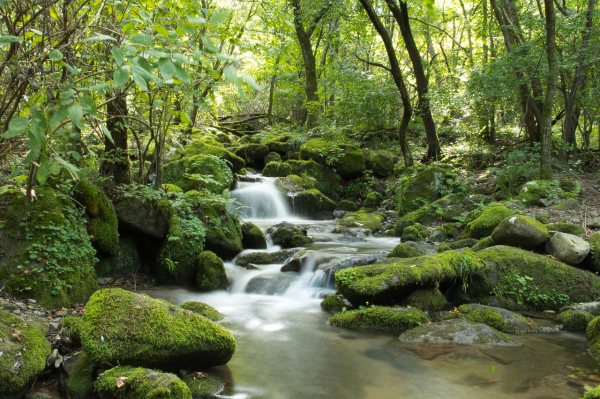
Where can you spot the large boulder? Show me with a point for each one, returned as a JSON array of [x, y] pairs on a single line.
[[82, 374], [346, 158], [47, 254], [277, 169], [198, 147], [102, 223], [592, 261], [211, 273], [144, 217], [122, 327], [404, 250], [253, 154], [575, 320], [520, 231], [485, 224], [264, 258], [253, 237], [453, 245], [271, 284], [428, 300], [568, 248], [135, 382], [542, 192], [421, 189], [326, 180], [345, 262], [290, 236], [593, 336], [199, 172], [380, 162], [395, 279], [456, 331], [371, 221], [24, 352], [381, 318], [313, 205]]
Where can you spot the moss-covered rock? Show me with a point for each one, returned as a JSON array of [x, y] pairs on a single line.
[[211, 273], [122, 327], [326, 180], [592, 261], [483, 244], [542, 218], [575, 320], [253, 154], [380, 162], [403, 250], [348, 159], [82, 375], [224, 236], [203, 386], [592, 394], [206, 172], [373, 200], [50, 258], [277, 169], [144, 217], [568, 228], [520, 231], [497, 318], [450, 246], [203, 310], [394, 278], [265, 258], [126, 259], [490, 218], [140, 383], [272, 157], [455, 213], [540, 191], [363, 219], [102, 223], [335, 304], [71, 327], [428, 300], [24, 351], [381, 318], [421, 189], [568, 204], [416, 232], [348, 206], [593, 336], [289, 236], [197, 147], [311, 204], [253, 237]]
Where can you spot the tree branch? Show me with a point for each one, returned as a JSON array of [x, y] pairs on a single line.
[[373, 63]]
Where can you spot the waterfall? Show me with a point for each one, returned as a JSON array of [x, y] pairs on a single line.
[[261, 200]]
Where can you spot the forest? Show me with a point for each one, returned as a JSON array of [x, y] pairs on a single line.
[[303, 198]]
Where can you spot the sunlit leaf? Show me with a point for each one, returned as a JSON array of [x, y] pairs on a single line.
[[167, 69], [120, 76], [9, 39], [118, 55], [99, 38], [181, 74], [196, 20], [209, 46], [218, 18]]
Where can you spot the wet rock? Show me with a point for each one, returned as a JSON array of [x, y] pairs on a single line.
[[349, 261], [497, 318], [179, 174], [298, 261], [203, 310], [520, 231], [210, 274], [250, 178], [253, 154], [590, 307], [381, 318], [404, 250], [130, 382], [575, 320], [371, 221], [265, 258], [203, 386], [271, 284], [336, 304], [568, 248], [457, 331], [345, 231], [438, 235], [352, 239], [594, 223], [416, 232], [253, 237], [289, 237], [272, 157], [422, 247], [271, 229]]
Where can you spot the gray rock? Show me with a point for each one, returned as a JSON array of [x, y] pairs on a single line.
[[457, 331], [568, 248], [349, 261], [594, 224], [512, 322], [143, 217], [105, 280], [455, 213], [590, 307], [422, 247], [271, 284], [520, 231], [265, 258]]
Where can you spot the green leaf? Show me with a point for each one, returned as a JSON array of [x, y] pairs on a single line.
[[142, 38], [40, 138], [9, 39], [101, 87], [188, 28], [90, 104], [209, 46], [43, 172], [180, 59], [76, 156], [157, 54], [76, 115], [145, 16], [181, 74], [145, 74], [128, 27], [32, 156], [231, 75], [120, 76], [251, 82], [55, 55], [167, 69], [196, 20], [161, 30], [59, 116], [140, 82], [99, 38], [106, 132], [118, 55], [226, 57], [70, 167], [16, 126], [218, 18], [197, 55]]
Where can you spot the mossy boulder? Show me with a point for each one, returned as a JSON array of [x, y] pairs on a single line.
[[347, 158], [395, 279], [253, 237], [202, 309], [347, 206], [487, 221], [592, 261], [126, 259], [140, 383], [363, 219], [71, 327], [380, 162], [277, 169], [372, 201], [122, 327], [211, 273], [569, 228], [575, 320], [533, 191], [451, 246], [455, 213], [421, 189], [197, 147], [520, 231], [428, 300], [483, 244], [144, 217], [457, 331], [200, 172], [290, 185], [592, 394], [224, 236], [203, 386], [265, 258], [568, 204], [335, 304], [82, 374], [326, 180], [23, 356], [380, 318], [102, 223], [593, 336], [272, 157], [289, 237], [57, 268], [313, 204], [404, 250], [253, 154], [171, 188], [416, 232], [497, 318]]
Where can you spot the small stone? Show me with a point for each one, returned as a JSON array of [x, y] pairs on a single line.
[[61, 313], [251, 266], [53, 326], [594, 224], [575, 220], [105, 280], [32, 301], [16, 311]]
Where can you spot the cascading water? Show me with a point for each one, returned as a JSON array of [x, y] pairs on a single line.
[[260, 199]]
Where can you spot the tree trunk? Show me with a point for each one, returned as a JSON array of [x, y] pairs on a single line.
[[116, 158], [401, 16], [546, 153], [398, 80]]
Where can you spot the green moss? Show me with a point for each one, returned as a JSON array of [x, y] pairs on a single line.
[[253, 237], [126, 259], [592, 394], [335, 304], [453, 229], [309, 203], [421, 189], [404, 250], [122, 327], [568, 228], [395, 278], [483, 244], [201, 148], [140, 383], [373, 200], [346, 205], [299, 240], [264, 258], [211, 273], [362, 219], [272, 157], [277, 169], [203, 386], [569, 205], [480, 316], [348, 159], [535, 190], [326, 180], [172, 188], [575, 320], [381, 318], [450, 246], [380, 162], [224, 235], [542, 218], [28, 356], [100, 214], [416, 232], [198, 172], [593, 336], [490, 218], [592, 261], [203, 310], [427, 299], [72, 327], [81, 378]]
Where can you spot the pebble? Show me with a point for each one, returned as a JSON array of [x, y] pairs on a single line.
[[53, 325], [32, 301], [61, 313]]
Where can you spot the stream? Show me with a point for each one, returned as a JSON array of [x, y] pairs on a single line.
[[286, 349]]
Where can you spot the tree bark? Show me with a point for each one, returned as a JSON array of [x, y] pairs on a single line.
[[116, 162], [401, 16], [546, 131]]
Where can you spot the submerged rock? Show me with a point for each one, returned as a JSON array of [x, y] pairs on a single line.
[[203, 386], [457, 331], [568, 248], [274, 284], [520, 231], [371, 221], [381, 318], [132, 383], [211, 273]]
